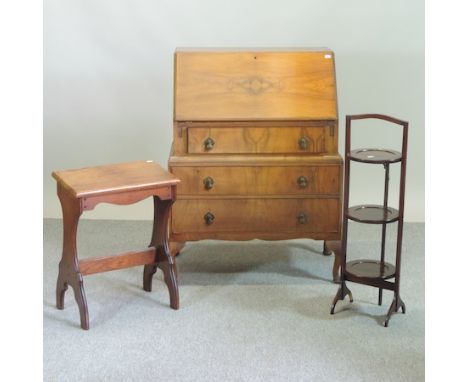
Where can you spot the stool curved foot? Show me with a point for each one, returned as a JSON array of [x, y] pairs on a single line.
[[74, 279], [78, 289], [165, 251], [170, 278], [148, 274]]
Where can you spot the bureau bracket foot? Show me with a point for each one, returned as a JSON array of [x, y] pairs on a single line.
[[340, 295], [334, 247], [175, 247], [326, 251], [397, 303]]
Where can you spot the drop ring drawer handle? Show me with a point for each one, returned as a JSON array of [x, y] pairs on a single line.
[[302, 182], [303, 143], [209, 218], [209, 143], [208, 182], [302, 218]]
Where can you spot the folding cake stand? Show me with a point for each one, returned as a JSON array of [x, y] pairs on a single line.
[[372, 272]]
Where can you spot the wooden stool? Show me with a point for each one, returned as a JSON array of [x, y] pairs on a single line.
[[81, 190]]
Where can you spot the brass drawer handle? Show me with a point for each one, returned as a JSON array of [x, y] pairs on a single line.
[[302, 218], [209, 143], [208, 182], [209, 218], [302, 182], [303, 143]]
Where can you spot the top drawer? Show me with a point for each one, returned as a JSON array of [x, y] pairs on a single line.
[[261, 140]]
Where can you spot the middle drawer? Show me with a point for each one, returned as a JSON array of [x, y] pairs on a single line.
[[259, 180]]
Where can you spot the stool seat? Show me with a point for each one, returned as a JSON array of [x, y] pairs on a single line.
[[125, 183], [101, 180]]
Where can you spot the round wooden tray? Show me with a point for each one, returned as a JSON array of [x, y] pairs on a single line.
[[375, 156], [370, 269], [372, 214]]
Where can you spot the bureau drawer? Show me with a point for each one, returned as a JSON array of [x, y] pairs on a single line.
[[257, 140], [319, 215], [259, 180]]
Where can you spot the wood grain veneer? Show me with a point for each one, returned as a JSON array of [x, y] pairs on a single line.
[[256, 145]]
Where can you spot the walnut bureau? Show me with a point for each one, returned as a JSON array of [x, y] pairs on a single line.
[[255, 139]]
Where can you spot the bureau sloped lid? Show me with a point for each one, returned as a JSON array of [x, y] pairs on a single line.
[[220, 85]]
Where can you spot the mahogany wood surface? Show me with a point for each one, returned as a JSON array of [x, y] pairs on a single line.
[[372, 214], [111, 179], [120, 261], [369, 269], [126, 197], [80, 190], [381, 156]]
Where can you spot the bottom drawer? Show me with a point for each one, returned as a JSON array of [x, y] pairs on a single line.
[[317, 215]]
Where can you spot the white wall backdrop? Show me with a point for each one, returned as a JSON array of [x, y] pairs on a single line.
[[108, 77]]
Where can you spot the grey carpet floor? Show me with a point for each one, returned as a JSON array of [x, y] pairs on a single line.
[[249, 311]]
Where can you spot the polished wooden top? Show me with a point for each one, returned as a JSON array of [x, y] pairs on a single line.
[[253, 49], [377, 156], [373, 214], [112, 178], [370, 269], [251, 85]]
